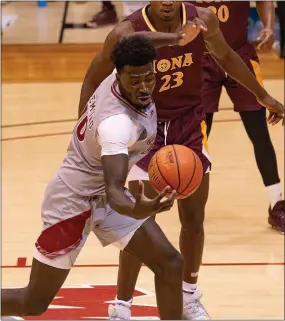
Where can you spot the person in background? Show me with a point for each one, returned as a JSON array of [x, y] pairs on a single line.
[[281, 16], [108, 14]]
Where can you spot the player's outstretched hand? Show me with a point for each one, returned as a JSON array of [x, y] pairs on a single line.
[[191, 30], [275, 108], [265, 40], [145, 207]]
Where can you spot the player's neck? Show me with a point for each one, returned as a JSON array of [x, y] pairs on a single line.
[[164, 26]]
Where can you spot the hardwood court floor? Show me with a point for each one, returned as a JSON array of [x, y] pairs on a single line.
[[243, 272]]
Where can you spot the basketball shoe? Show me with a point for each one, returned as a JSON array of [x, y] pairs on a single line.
[[120, 311], [277, 217], [193, 309]]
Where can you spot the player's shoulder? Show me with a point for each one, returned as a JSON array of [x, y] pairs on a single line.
[[116, 126]]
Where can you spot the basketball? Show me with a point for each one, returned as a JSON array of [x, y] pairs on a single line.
[[176, 166]]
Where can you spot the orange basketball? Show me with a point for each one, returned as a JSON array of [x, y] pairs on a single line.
[[176, 166]]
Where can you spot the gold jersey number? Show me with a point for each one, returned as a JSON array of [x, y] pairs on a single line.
[[172, 81], [222, 12]]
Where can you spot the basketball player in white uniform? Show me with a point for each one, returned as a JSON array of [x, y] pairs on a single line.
[[87, 194]]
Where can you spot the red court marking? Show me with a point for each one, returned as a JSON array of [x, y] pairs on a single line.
[[21, 263]]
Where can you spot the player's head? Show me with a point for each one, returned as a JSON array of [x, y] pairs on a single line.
[[133, 58], [166, 10]]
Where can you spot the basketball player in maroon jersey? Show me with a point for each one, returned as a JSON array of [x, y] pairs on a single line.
[[233, 17], [181, 120]]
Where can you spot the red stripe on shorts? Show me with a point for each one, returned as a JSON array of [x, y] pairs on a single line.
[[62, 237]]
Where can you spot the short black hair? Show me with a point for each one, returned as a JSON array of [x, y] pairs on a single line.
[[134, 50]]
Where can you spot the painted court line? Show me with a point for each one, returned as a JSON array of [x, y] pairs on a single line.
[[22, 263]]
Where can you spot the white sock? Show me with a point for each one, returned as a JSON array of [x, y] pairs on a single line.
[[124, 303], [275, 193], [188, 287]]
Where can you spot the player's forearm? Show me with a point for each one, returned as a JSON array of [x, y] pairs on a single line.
[[234, 66], [160, 39], [266, 12], [119, 201]]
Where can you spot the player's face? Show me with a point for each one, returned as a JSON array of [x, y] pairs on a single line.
[[137, 84], [166, 10]]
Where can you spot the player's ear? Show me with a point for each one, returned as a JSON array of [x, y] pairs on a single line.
[[117, 76]]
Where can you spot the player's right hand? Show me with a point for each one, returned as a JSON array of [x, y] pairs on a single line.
[[145, 207], [275, 108], [191, 30]]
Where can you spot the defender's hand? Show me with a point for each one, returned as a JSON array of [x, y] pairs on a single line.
[[276, 109], [265, 39], [191, 30], [145, 207]]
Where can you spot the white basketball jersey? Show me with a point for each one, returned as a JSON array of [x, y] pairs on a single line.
[[81, 169]]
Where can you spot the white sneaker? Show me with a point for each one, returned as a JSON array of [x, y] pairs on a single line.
[[192, 307], [119, 312]]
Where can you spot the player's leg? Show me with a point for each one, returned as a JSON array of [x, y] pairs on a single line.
[[56, 250], [192, 214], [209, 122], [129, 266], [253, 116], [213, 78], [257, 130], [144, 241], [45, 281], [151, 246]]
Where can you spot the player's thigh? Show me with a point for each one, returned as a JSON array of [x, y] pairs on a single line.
[[66, 225], [160, 253], [213, 78], [45, 281], [65, 218], [241, 97]]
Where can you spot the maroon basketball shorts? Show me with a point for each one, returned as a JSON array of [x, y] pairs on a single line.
[[189, 130], [215, 78]]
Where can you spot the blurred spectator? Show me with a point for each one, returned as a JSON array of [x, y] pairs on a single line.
[[132, 6], [108, 14], [281, 15]]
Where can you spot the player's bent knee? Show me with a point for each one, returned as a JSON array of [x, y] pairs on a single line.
[[171, 268], [192, 217]]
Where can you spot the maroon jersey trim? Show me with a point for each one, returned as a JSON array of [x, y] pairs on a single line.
[[149, 24]]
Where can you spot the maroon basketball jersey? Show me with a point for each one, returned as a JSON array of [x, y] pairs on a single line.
[[233, 18], [178, 69]]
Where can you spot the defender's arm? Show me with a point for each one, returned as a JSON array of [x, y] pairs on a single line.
[[102, 66], [266, 12], [226, 57]]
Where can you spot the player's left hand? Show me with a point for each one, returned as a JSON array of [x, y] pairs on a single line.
[[191, 30], [265, 39], [275, 108]]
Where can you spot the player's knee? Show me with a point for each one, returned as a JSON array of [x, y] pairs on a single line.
[[193, 219], [171, 268]]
